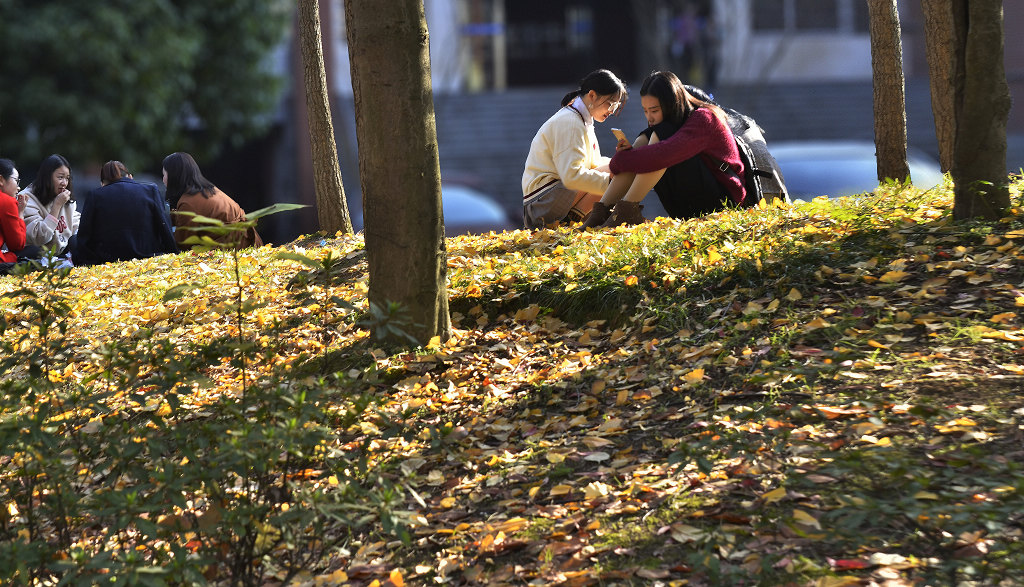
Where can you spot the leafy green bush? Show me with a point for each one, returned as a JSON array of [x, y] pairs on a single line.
[[134, 475]]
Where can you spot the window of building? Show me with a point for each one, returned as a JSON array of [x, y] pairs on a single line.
[[579, 28], [769, 15], [816, 15], [809, 15]]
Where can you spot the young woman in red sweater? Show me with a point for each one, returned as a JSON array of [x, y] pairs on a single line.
[[680, 156], [12, 225]]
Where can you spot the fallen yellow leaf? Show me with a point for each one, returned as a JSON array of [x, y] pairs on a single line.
[[893, 276], [816, 324], [621, 397], [1003, 317], [334, 578], [528, 314], [694, 377], [774, 495], [595, 490], [805, 519], [884, 441]]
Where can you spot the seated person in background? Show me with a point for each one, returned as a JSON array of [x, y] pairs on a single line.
[[189, 191], [123, 219], [687, 155], [51, 216], [12, 226], [565, 172]]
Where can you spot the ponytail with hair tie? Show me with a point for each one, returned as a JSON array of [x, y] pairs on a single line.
[[603, 83]]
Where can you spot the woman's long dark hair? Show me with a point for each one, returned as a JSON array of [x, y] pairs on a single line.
[[676, 102], [42, 187], [184, 177], [604, 83]]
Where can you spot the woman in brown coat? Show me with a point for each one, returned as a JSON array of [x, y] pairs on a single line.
[[189, 191]]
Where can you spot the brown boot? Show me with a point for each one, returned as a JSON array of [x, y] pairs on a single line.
[[628, 213], [596, 217]]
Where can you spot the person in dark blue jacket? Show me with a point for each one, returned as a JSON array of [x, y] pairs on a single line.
[[123, 219]]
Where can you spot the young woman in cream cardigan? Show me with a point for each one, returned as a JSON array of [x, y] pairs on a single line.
[[565, 172]]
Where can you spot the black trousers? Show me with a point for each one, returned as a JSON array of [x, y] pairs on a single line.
[[689, 190]]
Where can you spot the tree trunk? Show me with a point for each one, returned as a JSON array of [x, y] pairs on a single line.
[[331, 207], [938, 38], [398, 164], [981, 110], [889, 93]]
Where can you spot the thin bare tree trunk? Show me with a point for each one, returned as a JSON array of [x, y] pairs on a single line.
[[889, 90], [398, 164], [982, 109], [938, 38], [331, 206]]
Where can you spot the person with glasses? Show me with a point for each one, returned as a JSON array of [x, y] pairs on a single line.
[[123, 219], [687, 155], [565, 172], [189, 191], [51, 216], [12, 225]]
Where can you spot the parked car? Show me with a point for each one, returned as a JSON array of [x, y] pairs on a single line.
[[466, 211], [841, 168]]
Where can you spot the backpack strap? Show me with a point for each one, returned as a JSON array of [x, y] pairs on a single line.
[[727, 169]]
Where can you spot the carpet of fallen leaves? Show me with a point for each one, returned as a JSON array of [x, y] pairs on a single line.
[[822, 394]]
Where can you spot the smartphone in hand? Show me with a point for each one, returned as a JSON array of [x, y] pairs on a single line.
[[623, 141]]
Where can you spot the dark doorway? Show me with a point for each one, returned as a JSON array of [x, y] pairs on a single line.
[[557, 43]]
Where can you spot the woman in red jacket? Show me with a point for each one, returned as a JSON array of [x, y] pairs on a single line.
[[687, 155], [12, 225]]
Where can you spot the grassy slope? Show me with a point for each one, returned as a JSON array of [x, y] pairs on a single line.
[[826, 393]]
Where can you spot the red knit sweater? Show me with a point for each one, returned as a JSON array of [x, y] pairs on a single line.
[[12, 228], [702, 134]]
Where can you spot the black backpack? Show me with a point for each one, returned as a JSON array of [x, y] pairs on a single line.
[[764, 179]]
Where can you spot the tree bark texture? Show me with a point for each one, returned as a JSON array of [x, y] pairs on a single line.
[[398, 161], [938, 38], [889, 91], [331, 206], [982, 110]]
